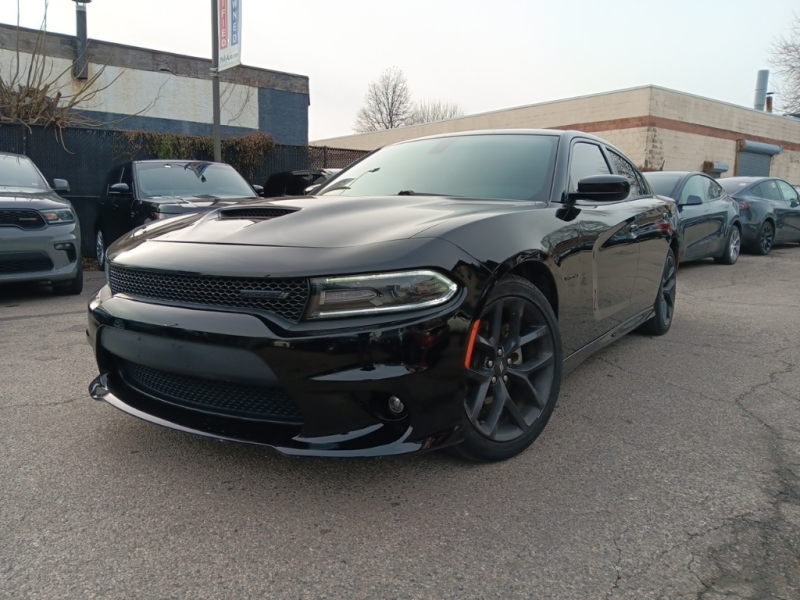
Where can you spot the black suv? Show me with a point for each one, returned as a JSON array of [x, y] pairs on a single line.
[[143, 191]]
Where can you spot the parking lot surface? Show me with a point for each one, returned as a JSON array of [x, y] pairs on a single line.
[[669, 470]]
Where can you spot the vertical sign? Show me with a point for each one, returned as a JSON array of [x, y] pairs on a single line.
[[230, 33]]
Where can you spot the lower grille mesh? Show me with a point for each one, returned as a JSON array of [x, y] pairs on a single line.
[[24, 262], [219, 397]]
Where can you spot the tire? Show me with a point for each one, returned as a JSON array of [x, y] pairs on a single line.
[[733, 247], [765, 239], [517, 356], [664, 305], [100, 248], [72, 287]]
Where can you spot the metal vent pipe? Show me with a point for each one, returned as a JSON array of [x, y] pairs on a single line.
[[80, 69], [761, 89]]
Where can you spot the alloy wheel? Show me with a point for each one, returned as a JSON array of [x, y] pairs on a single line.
[[669, 282], [512, 370], [766, 238], [735, 244]]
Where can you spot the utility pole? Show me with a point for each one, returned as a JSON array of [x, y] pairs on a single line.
[[215, 79]]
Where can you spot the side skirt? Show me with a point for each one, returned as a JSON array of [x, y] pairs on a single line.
[[577, 357]]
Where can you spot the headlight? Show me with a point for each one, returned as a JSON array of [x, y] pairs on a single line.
[[372, 294], [58, 216]]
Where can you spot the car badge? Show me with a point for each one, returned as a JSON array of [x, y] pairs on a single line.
[[264, 294]]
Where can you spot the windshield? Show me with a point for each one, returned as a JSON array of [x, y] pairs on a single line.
[[191, 179], [19, 172], [663, 184], [506, 166]]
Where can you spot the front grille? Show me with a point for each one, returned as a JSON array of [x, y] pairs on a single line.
[[261, 214], [24, 262], [20, 217], [284, 297], [218, 397]]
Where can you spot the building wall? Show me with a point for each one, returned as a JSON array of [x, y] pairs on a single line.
[[563, 114], [657, 128], [170, 93]]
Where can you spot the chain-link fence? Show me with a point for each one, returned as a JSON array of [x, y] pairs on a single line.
[[84, 157]]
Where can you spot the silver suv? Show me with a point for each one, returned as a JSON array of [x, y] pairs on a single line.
[[39, 231]]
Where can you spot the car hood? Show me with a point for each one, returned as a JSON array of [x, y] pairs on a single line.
[[14, 198], [326, 222]]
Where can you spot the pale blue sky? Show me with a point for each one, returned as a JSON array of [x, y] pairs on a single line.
[[485, 55]]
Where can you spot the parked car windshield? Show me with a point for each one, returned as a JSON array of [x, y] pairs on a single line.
[[663, 184], [19, 172], [191, 179], [506, 166]]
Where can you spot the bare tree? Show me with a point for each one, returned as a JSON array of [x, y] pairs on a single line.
[[32, 92], [387, 104], [431, 111], [786, 60]]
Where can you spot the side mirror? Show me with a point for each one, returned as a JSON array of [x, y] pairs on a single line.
[[60, 185], [309, 191], [602, 188], [794, 204], [693, 200], [119, 188], [259, 189]]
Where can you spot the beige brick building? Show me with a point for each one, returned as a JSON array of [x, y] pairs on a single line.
[[656, 127]]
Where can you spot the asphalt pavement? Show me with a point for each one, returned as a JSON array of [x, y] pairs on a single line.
[[669, 470]]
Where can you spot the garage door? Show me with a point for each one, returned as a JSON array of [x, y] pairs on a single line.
[[754, 158]]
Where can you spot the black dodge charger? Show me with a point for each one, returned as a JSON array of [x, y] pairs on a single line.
[[432, 294]]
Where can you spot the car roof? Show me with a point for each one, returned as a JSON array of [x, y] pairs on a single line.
[[678, 173], [562, 133], [14, 154]]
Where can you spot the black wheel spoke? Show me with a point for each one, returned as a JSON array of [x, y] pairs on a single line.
[[532, 335], [499, 397], [527, 369], [485, 345], [515, 322], [496, 324], [478, 399], [669, 288], [527, 389], [515, 414]]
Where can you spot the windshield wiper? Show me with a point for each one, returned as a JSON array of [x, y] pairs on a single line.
[[413, 193]]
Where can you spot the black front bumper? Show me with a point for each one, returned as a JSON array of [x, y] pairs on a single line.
[[338, 380]]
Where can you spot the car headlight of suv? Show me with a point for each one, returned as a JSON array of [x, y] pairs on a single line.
[[373, 294], [63, 215]]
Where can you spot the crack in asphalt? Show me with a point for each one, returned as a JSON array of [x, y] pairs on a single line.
[[40, 404], [769, 573], [664, 381], [617, 564]]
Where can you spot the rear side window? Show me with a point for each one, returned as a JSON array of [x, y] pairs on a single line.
[[769, 190], [587, 160]]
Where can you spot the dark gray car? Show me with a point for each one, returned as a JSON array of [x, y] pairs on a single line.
[[39, 232], [708, 218], [770, 211]]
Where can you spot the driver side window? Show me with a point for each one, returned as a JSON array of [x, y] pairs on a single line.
[[587, 159], [693, 187]]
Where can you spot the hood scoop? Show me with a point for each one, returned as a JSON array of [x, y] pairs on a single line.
[[255, 214]]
